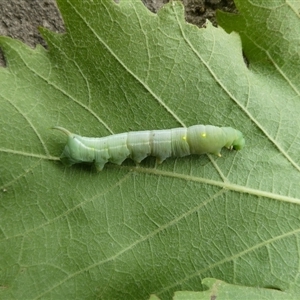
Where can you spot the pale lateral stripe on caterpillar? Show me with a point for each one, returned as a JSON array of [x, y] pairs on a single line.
[[137, 145]]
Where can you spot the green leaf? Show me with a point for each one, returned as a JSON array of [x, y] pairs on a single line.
[[221, 290], [132, 231]]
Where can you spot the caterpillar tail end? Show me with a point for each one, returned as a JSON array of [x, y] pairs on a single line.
[[67, 132]]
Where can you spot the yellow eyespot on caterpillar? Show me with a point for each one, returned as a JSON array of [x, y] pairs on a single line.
[[137, 145]]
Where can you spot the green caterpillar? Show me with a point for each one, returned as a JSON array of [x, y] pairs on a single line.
[[137, 145]]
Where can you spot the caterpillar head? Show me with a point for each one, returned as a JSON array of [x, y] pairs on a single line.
[[239, 142]]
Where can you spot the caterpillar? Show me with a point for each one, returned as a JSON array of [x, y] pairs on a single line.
[[137, 145]]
